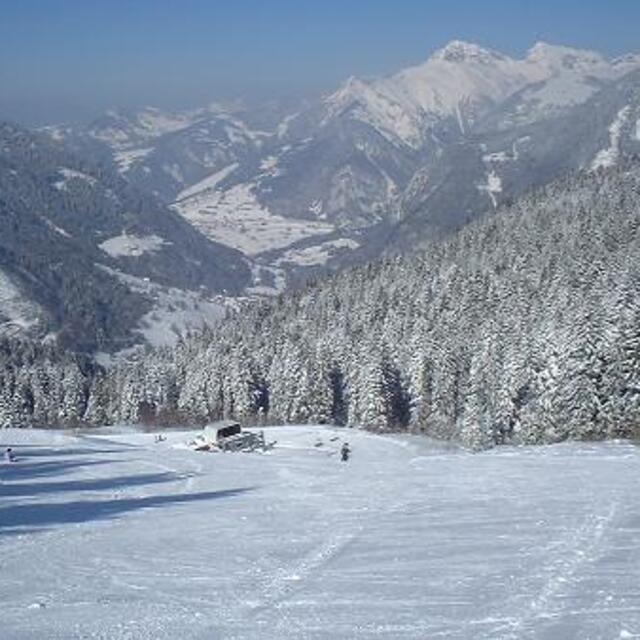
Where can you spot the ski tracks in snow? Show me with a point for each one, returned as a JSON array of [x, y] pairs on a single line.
[[567, 559], [353, 513], [280, 586]]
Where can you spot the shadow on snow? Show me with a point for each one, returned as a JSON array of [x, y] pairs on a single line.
[[25, 470], [35, 475], [27, 489], [27, 451], [16, 519]]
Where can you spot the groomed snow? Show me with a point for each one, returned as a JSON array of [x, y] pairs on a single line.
[[132, 245], [109, 535]]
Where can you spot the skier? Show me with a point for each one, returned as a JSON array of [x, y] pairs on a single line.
[[345, 452], [8, 455]]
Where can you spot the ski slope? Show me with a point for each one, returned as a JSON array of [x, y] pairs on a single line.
[[108, 535]]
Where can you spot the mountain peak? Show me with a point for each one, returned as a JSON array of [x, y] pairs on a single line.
[[460, 51]]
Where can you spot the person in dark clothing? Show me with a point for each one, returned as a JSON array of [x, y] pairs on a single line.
[[345, 452], [8, 455]]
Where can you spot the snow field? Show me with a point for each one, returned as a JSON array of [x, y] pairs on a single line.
[[107, 534], [235, 218], [132, 245], [209, 183]]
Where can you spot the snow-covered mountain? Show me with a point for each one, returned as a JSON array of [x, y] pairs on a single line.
[[164, 152], [460, 81], [85, 257], [377, 164], [463, 82], [499, 162]]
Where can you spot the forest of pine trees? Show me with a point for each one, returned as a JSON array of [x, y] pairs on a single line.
[[41, 385], [524, 327]]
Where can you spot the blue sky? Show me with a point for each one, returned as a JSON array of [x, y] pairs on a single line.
[[67, 59]]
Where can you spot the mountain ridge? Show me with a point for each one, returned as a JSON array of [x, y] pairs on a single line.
[[72, 231], [378, 165]]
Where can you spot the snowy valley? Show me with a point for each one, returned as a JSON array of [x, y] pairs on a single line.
[[191, 212], [378, 165]]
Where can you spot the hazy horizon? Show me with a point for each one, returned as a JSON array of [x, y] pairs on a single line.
[[71, 60]]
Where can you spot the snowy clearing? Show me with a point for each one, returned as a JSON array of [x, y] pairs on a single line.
[[126, 159], [269, 165], [609, 157], [209, 183], [266, 280], [132, 246], [110, 535], [72, 174], [492, 187], [499, 156]]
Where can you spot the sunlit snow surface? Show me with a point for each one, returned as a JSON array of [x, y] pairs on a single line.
[[236, 218], [132, 245], [116, 537]]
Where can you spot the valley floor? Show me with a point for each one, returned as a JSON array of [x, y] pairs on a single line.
[[109, 535]]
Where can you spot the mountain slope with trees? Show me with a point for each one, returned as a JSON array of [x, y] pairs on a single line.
[[73, 230], [523, 327]]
